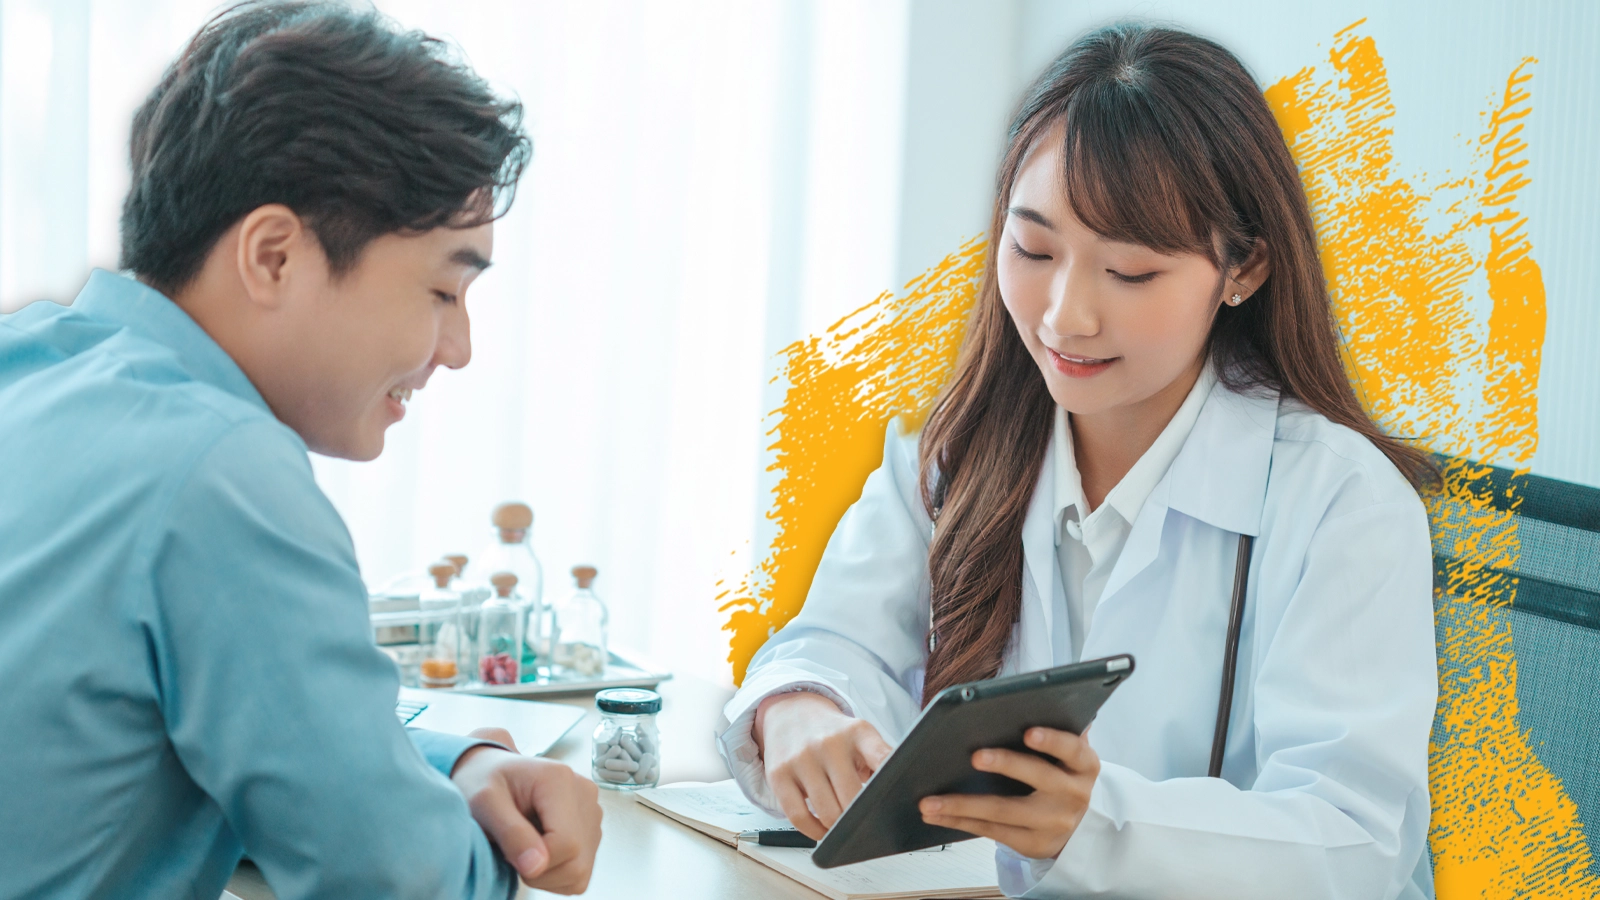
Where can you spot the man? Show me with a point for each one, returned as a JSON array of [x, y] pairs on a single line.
[[189, 674]]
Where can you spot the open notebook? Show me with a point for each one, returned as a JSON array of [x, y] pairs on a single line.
[[721, 811]]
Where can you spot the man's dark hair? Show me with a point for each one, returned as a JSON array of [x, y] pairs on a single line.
[[361, 128]]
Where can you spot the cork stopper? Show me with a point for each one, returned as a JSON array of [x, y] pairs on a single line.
[[585, 575], [459, 560], [442, 572], [512, 516], [503, 583]]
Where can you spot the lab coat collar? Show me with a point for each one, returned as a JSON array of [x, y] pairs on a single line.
[[1219, 477]]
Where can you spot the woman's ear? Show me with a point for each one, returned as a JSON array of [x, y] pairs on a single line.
[[1248, 276], [271, 241]]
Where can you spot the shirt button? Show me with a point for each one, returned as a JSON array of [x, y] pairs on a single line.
[[746, 754], [1074, 529]]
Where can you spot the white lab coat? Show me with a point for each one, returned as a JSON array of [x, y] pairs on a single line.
[[1324, 791]]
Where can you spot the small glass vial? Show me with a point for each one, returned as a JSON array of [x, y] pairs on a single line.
[[578, 644], [438, 631], [500, 622], [627, 746]]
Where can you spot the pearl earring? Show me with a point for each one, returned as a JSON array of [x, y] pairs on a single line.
[[1235, 300]]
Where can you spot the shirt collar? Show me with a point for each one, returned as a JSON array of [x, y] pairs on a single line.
[[148, 313], [1129, 494]]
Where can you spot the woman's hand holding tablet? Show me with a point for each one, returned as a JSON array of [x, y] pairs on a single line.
[[814, 752], [1001, 757], [1039, 824]]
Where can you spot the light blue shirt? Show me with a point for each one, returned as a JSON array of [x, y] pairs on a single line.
[[187, 673]]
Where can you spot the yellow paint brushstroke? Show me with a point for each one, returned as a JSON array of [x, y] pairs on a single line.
[[886, 359], [1443, 311], [1444, 315]]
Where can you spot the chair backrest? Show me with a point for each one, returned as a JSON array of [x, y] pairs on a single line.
[[1528, 548]]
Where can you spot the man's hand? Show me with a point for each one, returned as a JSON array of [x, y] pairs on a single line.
[[1038, 825], [544, 817], [815, 753]]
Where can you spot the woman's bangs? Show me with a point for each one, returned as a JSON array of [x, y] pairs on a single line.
[[1122, 179]]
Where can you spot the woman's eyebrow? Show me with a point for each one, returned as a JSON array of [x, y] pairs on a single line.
[[1032, 215]]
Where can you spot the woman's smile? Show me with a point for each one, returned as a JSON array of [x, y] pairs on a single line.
[[1074, 366]]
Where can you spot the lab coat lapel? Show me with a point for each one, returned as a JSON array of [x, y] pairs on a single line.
[[1218, 477]]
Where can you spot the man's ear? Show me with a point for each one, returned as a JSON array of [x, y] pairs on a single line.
[[1248, 276], [272, 248]]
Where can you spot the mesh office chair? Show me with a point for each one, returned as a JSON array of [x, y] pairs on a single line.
[[1523, 552]]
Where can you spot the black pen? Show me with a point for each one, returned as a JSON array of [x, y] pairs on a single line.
[[778, 837]]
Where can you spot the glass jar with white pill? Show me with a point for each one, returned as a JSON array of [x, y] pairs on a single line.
[[627, 746]]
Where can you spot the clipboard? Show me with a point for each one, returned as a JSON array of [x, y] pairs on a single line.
[[936, 757]]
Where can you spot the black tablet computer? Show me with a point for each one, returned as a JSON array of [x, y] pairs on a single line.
[[936, 757]]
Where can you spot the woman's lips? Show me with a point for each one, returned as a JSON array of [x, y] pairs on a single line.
[[1078, 366]]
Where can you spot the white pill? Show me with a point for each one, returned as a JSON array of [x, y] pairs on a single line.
[[613, 777], [646, 777], [630, 745], [620, 765], [647, 762]]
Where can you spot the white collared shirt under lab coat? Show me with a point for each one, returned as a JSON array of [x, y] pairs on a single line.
[[1324, 791], [1088, 544]]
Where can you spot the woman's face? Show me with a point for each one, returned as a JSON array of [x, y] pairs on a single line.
[[1111, 325]]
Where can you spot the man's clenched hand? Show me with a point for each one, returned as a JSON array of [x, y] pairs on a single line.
[[544, 817]]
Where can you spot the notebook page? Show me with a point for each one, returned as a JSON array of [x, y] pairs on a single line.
[[960, 870], [719, 810]]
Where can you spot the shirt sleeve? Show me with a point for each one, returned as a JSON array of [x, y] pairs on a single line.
[[860, 639], [1344, 702], [279, 705], [442, 750]]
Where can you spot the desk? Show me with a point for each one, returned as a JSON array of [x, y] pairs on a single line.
[[643, 854]]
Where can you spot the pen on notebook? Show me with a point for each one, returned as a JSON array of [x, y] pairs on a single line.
[[778, 837]]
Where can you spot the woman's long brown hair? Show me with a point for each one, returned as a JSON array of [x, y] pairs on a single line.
[[1168, 143]]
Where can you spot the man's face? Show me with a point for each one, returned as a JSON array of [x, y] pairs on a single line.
[[361, 343]]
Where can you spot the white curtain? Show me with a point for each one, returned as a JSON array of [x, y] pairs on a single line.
[[711, 180]]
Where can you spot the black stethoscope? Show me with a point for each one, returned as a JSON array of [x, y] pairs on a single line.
[[1230, 652]]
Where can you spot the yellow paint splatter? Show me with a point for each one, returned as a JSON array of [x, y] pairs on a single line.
[[886, 359], [1443, 310]]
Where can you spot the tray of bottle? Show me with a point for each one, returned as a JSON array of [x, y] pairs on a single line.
[[622, 670]]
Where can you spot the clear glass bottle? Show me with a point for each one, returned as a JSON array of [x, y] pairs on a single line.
[[473, 593], [512, 551], [438, 631], [578, 642], [627, 746], [500, 623]]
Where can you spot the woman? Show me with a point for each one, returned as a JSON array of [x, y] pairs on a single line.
[[1152, 371]]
